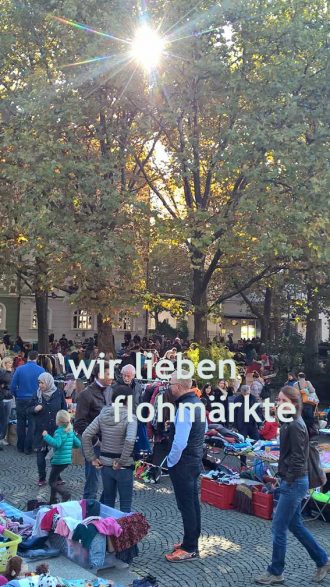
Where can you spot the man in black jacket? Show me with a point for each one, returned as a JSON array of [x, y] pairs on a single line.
[[89, 404], [184, 464]]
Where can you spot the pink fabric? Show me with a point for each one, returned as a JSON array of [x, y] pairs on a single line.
[[2, 529], [108, 526], [3, 580], [62, 529]]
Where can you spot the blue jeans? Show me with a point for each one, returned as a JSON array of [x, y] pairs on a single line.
[[184, 478], [121, 481], [92, 478], [288, 517], [25, 425]]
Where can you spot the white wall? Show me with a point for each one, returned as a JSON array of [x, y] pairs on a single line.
[[61, 322]]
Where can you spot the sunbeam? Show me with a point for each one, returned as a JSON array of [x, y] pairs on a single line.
[[88, 29], [182, 18], [112, 74], [88, 61]]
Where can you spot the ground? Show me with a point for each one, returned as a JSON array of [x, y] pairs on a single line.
[[234, 547]]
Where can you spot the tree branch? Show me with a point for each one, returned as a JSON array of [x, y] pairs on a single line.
[[211, 268], [265, 272], [154, 189]]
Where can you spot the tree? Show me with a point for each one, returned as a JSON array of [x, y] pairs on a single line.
[[219, 111], [68, 178]]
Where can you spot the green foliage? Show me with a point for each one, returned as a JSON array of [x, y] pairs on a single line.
[[215, 353], [289, 355]]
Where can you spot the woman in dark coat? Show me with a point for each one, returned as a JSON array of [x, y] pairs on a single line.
[[44, 406]]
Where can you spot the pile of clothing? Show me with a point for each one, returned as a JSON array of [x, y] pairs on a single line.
[[15, 524], [147, 472], [83, 523], [223, 475]]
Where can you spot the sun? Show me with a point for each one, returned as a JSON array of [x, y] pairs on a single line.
[[147, 47]]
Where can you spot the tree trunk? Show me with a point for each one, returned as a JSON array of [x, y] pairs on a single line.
[[105, 338], [156, 314], [41, 298], [312, 333], [199, 299], [265, 322], [19, 300], [277, 322]]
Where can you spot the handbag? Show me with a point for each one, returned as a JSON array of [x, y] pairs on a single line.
[[316, 475], [307, 397]]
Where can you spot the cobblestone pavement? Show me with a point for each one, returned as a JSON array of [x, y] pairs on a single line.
[[234, 547]]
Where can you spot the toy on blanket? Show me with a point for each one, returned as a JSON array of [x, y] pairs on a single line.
[[17, 573], [45, 578]]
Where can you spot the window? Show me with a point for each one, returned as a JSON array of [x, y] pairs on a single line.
[[34, 321], [2, 317], [248, 331], [82, 320], [124, 321]]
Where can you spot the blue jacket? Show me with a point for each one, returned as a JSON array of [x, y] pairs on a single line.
[[62, 443], [25, 380]]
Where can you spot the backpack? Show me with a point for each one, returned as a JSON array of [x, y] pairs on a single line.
[[316, 475]]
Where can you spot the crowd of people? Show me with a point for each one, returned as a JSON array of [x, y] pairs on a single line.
[[45, 426]]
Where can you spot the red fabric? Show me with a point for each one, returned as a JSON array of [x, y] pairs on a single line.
[[47, 520], [254, 367], [135, 527], [269, 431]]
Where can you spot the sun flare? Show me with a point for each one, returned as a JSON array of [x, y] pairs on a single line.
[[147, 47]]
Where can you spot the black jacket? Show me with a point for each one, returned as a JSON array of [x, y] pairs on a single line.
[[89, 404], [5, 380], [294, 450], [250, 428], [46, 418]]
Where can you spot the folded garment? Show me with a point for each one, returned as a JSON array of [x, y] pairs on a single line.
[[66, 526], [107, 526], [84, 534], [72, 509]]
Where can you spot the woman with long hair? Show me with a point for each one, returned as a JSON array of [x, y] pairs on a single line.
[[293, 470]]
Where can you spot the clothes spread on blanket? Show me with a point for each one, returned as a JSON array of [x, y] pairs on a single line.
[[81, 524]]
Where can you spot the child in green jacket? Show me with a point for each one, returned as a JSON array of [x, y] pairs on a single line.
[[63, 441]]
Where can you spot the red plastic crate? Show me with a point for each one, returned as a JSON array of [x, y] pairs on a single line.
[[217, 494], [262, 504]]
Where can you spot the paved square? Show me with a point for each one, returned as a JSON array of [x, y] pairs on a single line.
[[234, 547]]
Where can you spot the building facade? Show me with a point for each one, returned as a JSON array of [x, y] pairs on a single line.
[[19, 314]]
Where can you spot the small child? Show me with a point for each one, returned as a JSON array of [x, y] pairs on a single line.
[[63, 441]]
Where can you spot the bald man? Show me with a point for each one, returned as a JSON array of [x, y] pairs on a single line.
[[184, 464]]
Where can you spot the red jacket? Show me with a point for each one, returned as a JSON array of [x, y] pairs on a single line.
[[269, 431]]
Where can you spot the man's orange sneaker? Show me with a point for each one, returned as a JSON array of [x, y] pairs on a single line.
[[180, 556]]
